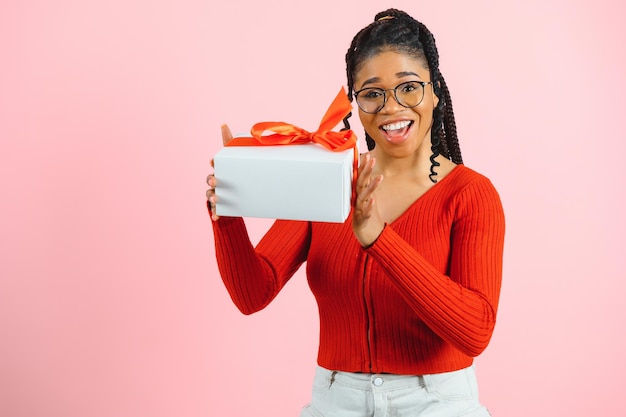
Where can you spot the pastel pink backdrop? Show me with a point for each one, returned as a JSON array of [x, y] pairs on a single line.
[[110, 299]]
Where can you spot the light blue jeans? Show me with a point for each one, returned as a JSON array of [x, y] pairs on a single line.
[[345, 394]]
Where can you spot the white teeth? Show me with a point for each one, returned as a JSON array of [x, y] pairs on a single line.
[[396, 126]]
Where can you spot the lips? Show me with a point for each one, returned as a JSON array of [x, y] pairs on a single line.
[[397, 132]]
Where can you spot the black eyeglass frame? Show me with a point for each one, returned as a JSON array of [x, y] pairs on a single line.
[[395, 95]]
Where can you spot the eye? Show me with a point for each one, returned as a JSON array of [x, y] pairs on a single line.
[[409, 86], [372, 93]]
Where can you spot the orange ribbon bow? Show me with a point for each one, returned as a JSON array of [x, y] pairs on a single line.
[[288, 134]]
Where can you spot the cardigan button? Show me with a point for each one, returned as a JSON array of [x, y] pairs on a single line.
[[378, 381]]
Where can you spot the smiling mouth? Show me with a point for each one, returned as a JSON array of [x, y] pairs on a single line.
[[397, 132]]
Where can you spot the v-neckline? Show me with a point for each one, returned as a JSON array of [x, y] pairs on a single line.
[[435, 186]]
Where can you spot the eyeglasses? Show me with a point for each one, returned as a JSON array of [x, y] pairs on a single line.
[[409, 94]]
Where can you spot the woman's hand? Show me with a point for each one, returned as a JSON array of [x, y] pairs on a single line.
[[366, 221], [211, 181]]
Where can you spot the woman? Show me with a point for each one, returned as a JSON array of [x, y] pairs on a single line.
[[408, 286]]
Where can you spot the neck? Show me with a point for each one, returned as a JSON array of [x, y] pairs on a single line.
[[416, 164]]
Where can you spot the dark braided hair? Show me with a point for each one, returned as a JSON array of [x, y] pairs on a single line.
[[395, 30]]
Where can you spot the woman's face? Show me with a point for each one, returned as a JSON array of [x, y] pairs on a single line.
[[397, 130]]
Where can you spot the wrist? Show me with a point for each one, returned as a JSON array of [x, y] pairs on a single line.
[[368, 239]]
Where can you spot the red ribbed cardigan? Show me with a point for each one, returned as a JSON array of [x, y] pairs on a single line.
[[421, 299]]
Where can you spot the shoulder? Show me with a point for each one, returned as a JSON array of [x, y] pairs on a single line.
[[471, 189], [463, 178], [463, 175]]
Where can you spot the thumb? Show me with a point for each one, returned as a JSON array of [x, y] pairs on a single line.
[[227, 136]]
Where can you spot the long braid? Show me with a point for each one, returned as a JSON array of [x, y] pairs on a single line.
[[393, 29], [352, 61], [453, 151]]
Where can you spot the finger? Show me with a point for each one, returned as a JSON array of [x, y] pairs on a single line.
[[368, 166], [364, 175], [364, 161], [370, 189], [210, 193], [227, 136], [212, 198], [367, 195], [366, 200], [211, 181], [367, 207]]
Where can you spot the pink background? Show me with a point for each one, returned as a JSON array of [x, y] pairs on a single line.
[[110, 300]]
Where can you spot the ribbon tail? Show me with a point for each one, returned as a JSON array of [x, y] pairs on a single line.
[[339, 108]]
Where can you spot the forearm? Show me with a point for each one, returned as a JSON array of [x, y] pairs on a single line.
[[254, 276], [461, 316], [249, 279]]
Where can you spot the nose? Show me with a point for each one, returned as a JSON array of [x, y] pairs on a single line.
[[391, 104]]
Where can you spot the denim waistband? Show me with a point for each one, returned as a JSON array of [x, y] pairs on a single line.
[[366, 381]]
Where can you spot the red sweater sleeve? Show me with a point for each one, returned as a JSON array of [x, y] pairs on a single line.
[[459, 307], [253, 277]]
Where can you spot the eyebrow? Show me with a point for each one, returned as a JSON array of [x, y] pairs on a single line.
[[398, 75]]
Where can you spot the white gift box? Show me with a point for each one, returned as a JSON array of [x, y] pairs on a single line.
[[292, 182]]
